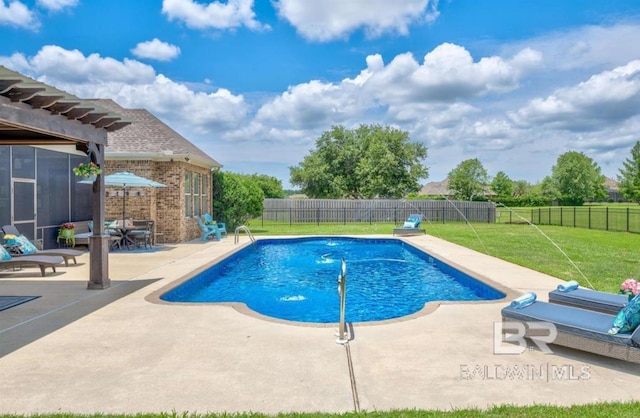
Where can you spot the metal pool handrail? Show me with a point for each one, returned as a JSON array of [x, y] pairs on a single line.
[[245, 229], [342, 291]]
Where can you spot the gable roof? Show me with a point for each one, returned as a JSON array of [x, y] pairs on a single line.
[[151, 139], [436, 188]]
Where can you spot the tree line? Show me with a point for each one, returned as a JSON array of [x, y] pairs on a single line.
[[374, 161]]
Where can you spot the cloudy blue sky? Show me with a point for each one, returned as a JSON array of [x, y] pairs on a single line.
[[254, 83]]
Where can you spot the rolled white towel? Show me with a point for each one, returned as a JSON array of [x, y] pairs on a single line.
[[568, 286], [524, 300]]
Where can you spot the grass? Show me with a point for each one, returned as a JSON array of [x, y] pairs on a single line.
[[597, 259], [604, 410]]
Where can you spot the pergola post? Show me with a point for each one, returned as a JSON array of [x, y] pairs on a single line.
[[99, 241]]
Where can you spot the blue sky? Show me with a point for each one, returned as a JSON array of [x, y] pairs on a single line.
[[254, 83]]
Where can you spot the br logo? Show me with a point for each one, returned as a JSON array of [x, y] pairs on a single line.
[[540, 333]]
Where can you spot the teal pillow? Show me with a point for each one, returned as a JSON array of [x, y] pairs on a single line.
[[4, 254], [25, 246], [628, 318]]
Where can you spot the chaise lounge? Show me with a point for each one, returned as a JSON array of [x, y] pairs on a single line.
[[577, 328], [411, 226], [25, 247], [41, 261], [609, 303]]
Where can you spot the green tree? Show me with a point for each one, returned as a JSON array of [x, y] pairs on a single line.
[[576, 178], [520, 188], [629, 178], [502, 185], [468, 179], [368, 162], [236, 199], [271, 186]]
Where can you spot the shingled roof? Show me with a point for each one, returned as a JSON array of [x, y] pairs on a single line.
[[148, 138]]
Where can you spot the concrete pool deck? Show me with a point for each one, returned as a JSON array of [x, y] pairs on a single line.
[[115, 351]]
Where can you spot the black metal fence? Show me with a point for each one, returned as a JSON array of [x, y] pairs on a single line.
[[606, 218]]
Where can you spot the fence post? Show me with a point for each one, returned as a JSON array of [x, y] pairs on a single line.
[[589, 216], [290, 216], [561, 220], [574, 216], [606, 217], [318, 215], [627, 219]]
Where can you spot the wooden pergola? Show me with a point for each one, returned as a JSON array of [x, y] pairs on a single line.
[[34, 113]]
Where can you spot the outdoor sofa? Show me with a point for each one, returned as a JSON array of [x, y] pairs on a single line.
[[577, 328]]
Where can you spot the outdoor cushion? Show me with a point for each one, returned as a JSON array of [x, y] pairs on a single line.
[[589, 324], [25, 246], [628, 318], [4, 254], [610, 303]]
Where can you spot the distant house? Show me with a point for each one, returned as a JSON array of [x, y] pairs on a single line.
[[149, 148], [436, 188], [612, 189]]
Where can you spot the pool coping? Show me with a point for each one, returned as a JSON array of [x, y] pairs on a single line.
[[427, 309]]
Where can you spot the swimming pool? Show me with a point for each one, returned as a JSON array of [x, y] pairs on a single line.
[[295, 279]]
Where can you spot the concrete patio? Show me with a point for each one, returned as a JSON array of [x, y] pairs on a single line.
[[120, 351]]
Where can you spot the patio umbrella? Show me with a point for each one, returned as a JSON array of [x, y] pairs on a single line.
[[124, 180]]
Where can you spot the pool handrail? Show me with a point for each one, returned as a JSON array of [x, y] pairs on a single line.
[[245, 229]]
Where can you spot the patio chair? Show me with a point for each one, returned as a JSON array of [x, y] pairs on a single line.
[[594, 300], [577, 328], [25, 247], [222, 227], [41, 261], [411, 226], [208, 230], [143, 234]]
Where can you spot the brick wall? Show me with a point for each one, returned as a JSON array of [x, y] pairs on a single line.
[[164, 205]]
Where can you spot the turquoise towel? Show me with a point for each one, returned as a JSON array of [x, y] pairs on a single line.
[[524, 300], [568, 286]]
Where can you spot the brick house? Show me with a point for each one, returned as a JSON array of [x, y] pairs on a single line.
[[149, 148]]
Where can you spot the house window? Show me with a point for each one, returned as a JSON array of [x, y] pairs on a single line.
[[187, 194], [203, 194], [197, 208]]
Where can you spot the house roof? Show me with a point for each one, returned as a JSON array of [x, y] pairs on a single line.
[[610, 183], [147, 137], [436, 188], [35, 113]]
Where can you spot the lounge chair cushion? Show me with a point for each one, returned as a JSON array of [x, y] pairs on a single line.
[[610, 303], [628, 318], [25, 246], [589, 324], [4, 254]]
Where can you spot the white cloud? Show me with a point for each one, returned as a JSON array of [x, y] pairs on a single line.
[[133, 84], [15, 13], [57, 5], [72, 66], [325, 20], [215, 15], [585, 47], [604, 99], [156, 50]]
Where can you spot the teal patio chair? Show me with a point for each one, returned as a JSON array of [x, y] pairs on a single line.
[[208, 230]]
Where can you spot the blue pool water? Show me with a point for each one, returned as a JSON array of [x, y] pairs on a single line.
[[296, 279]]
